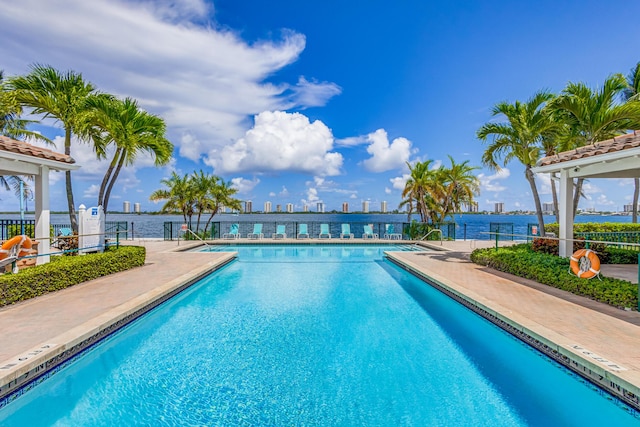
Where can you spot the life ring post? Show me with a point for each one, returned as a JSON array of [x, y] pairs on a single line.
[[585, 264]]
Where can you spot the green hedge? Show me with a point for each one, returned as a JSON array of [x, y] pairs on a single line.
[[551, 270], [596, 227], [63, 272]]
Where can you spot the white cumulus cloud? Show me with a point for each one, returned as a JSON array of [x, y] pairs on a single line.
[[493, 183], [384, 155], [244, 185], [280, 141]]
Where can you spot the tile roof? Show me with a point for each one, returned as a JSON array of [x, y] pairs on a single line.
[[21, 147], [619, 143]]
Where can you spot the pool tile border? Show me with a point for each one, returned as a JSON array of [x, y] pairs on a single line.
[[39, 363], [574, 359]]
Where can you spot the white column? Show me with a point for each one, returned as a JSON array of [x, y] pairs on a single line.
[[566, 214], [43, 222]]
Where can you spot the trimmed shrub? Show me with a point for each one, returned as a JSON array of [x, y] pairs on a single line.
[[553, 271], [551, 246], [63, 272], [595, 227]]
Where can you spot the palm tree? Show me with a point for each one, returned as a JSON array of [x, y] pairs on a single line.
[[178, 196], [415, 189], [519, 138], [60, 96], [131, 129], [460, 185], [632, 94], [221, 194], [592, 115]]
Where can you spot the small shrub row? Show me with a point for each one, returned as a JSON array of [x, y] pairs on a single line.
[[596, 227], [63, 272], [551, 270], [607, 254]]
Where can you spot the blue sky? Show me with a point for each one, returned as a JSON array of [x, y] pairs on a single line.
[[320, 101]]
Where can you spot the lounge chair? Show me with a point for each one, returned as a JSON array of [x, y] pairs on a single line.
[[303, 231], [233, 232], [346, 232], [390, 234], [257, 232], [281, 231], [368, 233], [324, 231]]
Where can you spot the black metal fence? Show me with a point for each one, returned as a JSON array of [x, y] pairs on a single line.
[[14, 227], [174, 230]]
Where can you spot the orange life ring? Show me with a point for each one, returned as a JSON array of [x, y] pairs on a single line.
[[24, 243], [585, 263]]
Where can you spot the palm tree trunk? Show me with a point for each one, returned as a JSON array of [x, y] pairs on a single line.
[[634, 217], [69, 187], [213, 213], [105, 180], [536, 197], [554, 194], [576, 195], [113, 180]]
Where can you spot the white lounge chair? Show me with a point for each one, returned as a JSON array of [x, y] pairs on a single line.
[[346, 232], [281, 231], [303, 231], [324, 231], [233, 232], [257, 232], [390, 234], [368, 233]]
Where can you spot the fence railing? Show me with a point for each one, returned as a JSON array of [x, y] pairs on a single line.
[[14, 227]]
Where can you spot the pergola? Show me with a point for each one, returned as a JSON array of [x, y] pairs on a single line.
[[614, 158], [23, 159]]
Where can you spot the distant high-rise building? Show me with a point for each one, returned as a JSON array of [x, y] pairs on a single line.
[[305, 208], [126, 207], [345, 207], [267, 207], [136, 207], [320, 207], [248, 206], [629, 207], [290, 207], [499, 207], [383, 207], [547, 207], [472, 207], [278, 208], [365, 206]]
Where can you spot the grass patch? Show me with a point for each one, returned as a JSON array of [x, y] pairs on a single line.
[[63, 272], [551, 270]]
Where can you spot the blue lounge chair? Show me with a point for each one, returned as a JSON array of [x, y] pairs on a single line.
[[281, 231], [324, 231], [257, 232], [346, 232], [368, 233], [390, 234], [233, 232], [303, 231]]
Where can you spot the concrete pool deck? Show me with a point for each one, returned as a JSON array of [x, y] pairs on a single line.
[[602, 338]]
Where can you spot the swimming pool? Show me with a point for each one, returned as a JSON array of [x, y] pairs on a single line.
[[312, 336]]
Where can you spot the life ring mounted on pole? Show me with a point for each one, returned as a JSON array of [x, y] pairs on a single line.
[[23, 242], [585, 263]]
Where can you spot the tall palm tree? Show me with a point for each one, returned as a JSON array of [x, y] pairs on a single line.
[[460, 185], [60, 96], [220, 194], [592, 115], [632, 94], [178, 195], [518, 138], [415, 190], [131, 130]]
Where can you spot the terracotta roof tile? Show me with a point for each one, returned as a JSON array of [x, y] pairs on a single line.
[[619, 143], [21, 147]]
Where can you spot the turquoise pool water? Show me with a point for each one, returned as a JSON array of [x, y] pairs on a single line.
[[313, 336]]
